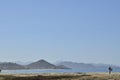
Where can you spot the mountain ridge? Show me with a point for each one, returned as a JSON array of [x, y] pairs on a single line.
[[40, 64], [43, 64], [75, 65]]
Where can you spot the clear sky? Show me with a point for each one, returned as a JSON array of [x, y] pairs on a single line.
[[60, 30]]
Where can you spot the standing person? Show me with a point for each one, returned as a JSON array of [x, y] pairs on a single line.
[[110, 70]]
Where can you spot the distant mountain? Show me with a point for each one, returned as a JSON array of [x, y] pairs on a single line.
[[9, 65], [74, 65], [62, 67], [41, 64], [22, 63]]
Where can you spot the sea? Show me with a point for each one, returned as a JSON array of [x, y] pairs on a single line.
[[32, 71]]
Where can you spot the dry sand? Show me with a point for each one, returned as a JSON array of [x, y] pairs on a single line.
[[72, 76]]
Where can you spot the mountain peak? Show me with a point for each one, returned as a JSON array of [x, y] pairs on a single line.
[[41, 64], [42, 60]]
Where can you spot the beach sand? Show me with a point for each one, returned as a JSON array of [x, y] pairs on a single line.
[[61, 76]]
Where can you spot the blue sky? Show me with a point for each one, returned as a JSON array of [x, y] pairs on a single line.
[[60, 30]]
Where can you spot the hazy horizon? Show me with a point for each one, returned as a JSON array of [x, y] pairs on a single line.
[[57, 62], [60, 30]]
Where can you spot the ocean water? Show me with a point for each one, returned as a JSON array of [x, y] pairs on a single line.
[[55, 71]]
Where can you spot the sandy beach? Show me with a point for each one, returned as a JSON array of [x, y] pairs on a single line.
[[61, 76]]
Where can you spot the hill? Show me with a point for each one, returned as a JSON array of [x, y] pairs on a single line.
[[82, 66], [9, 65], [41, 64]]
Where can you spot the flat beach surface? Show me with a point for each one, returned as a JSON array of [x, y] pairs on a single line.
[[61, 76]]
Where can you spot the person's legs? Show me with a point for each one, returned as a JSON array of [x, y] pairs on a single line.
[[109, 71]]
